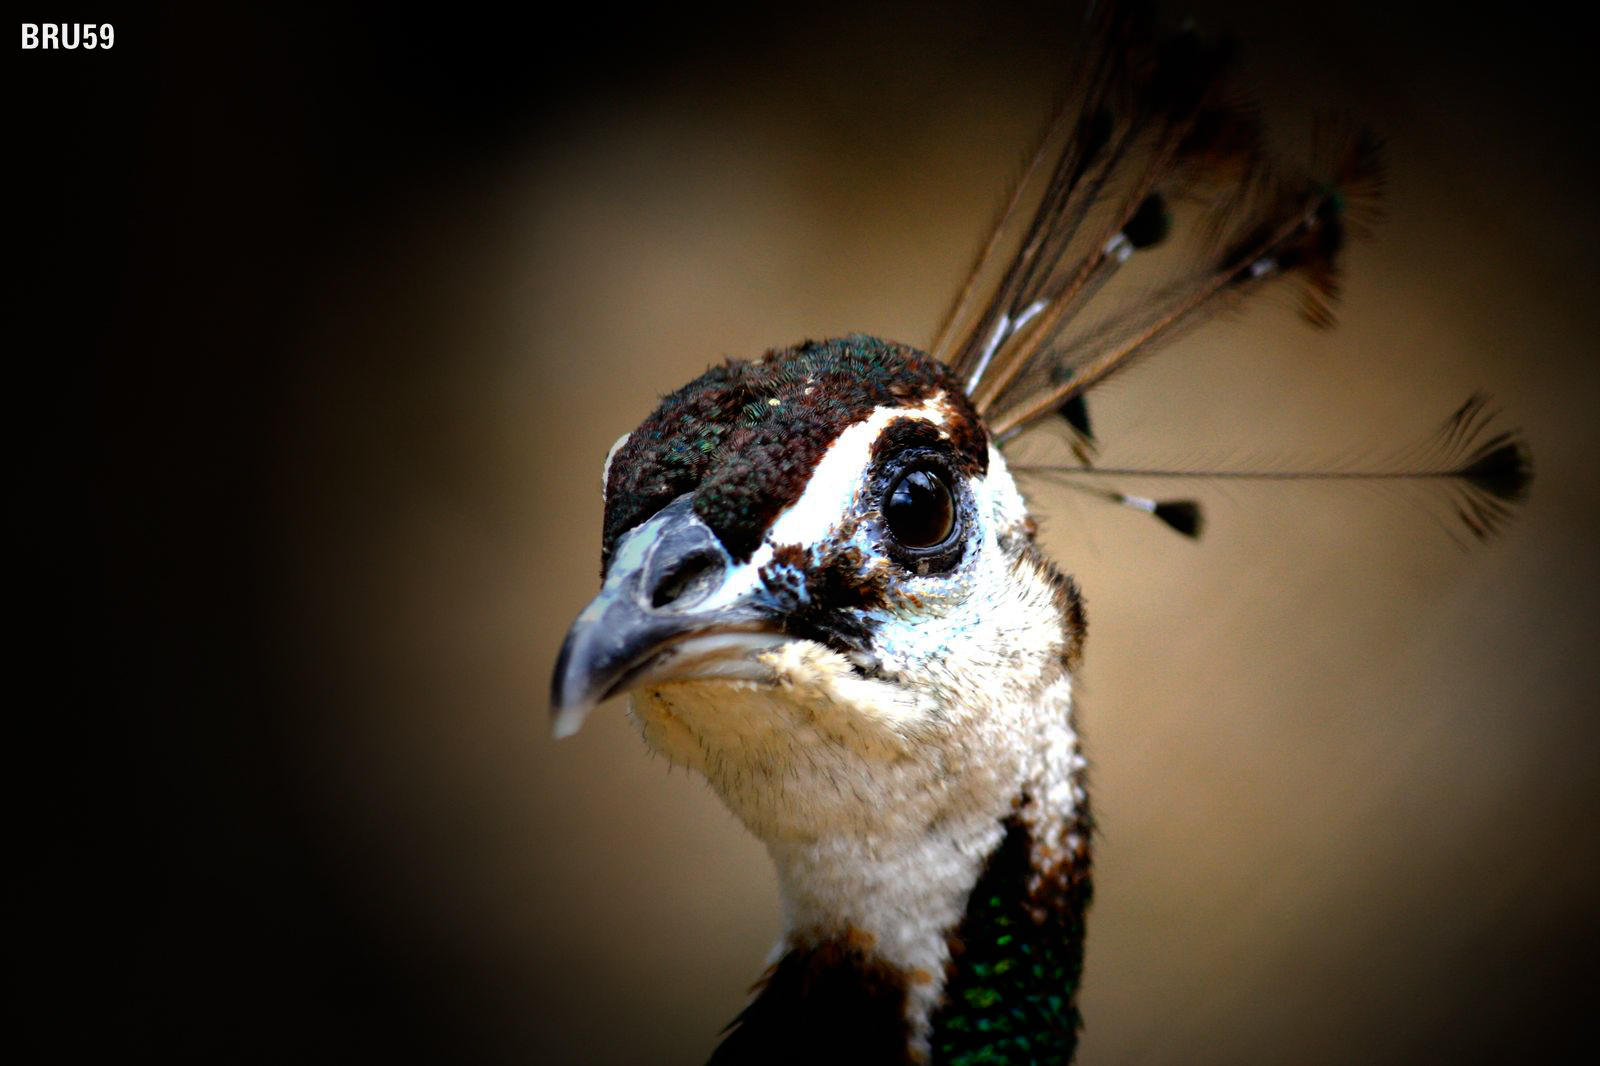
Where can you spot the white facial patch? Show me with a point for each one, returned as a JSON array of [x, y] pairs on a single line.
[[605, 470]]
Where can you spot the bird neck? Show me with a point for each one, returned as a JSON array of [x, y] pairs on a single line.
[[949, 923], [1017, 957]]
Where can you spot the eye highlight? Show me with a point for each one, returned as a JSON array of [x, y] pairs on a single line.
[[919, 510]]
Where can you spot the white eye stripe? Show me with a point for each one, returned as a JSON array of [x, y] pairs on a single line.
[[833, 484], [605, 470]]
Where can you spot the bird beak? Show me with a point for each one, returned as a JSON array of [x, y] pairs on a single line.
[[674, 606]]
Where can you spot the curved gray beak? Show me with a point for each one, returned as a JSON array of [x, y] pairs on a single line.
[[674, 605]]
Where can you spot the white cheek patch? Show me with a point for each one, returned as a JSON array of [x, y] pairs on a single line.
[[605, 470], [831, 492], [1004, 501]]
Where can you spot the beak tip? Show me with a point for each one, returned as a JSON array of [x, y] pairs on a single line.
[[570, 704], [567, 715], [565, 721]]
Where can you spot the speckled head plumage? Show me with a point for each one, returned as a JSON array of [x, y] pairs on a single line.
[[744, 437]]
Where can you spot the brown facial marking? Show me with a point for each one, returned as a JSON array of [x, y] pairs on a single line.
[[790, 555], [961, 437], [846, 580], [903, 433], [829, 595], [968, 435]]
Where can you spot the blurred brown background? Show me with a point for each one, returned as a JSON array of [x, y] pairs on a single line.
[[343, 311]]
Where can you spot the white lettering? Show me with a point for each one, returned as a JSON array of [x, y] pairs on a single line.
[[68, 35]]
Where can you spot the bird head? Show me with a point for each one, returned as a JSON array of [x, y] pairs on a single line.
[[821, 588]]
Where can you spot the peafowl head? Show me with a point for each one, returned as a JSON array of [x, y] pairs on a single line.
[[822, 589]]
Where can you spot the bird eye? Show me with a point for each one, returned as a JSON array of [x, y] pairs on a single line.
[[919, 510]]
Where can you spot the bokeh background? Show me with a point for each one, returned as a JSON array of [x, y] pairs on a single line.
[[340, 312]]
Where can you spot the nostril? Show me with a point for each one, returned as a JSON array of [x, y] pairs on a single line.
[[687, 579]]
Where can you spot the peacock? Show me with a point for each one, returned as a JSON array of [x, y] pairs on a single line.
[[824, 592]]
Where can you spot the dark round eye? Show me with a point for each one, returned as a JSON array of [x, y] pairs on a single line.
[[919, 510]]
